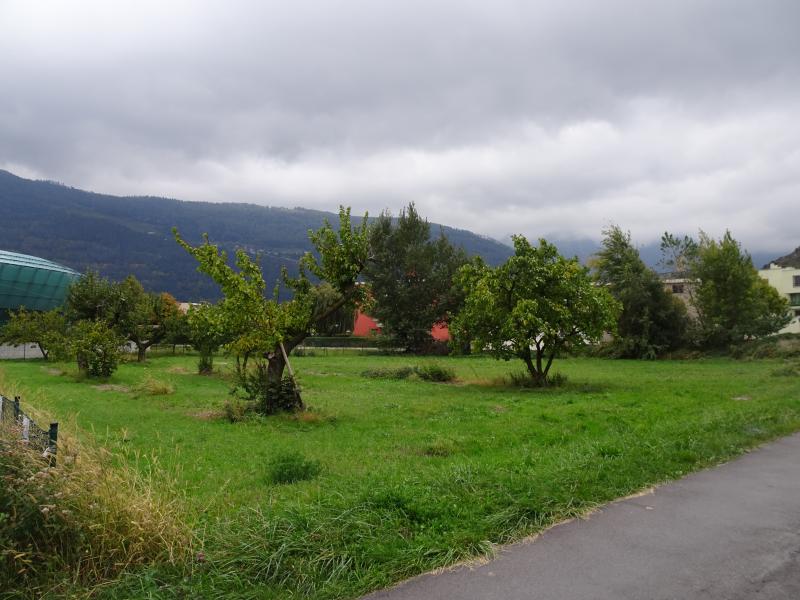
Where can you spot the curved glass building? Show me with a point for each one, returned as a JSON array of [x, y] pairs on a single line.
[[32, 282]]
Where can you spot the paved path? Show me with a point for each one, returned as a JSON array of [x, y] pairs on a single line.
[[729, 533]]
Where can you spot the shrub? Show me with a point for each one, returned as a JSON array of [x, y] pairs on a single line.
[[235, 410], [389, 373], [434, 372], [290, 467], [268, 397], [96, 347]]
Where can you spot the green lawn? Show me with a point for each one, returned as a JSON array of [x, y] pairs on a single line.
[[414, 474]]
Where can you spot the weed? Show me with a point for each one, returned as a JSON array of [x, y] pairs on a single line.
[[155, 387], [791, 370], [291, 467], [389, 373]]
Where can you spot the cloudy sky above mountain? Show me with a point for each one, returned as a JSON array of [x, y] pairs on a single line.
[[541, 118]]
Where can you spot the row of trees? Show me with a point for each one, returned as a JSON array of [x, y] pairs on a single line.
[[533, 307], [727, 299], [98, 318]]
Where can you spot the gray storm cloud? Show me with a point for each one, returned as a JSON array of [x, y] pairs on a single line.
[[502, 117]]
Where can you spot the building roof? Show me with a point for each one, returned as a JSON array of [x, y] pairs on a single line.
[[32, 282], [26, 260], [791, 260]]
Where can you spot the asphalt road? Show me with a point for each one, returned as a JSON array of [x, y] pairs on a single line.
[[728, 533]]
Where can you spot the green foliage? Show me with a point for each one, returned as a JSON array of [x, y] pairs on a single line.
[[533, 306], [267, 395], [93, 298], [427, 372], [733, 303], [260, 328], [417, 476], [138, 316], [96, 347], [143, 318], [336, 322], [291, 467], [388, 373], [235, 410], [206, 332], [652, 321], [411, 278], [435, 372], [48, 330], [522, 379]]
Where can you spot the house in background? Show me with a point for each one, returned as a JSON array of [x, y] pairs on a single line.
[[681, 286], [784, 275]]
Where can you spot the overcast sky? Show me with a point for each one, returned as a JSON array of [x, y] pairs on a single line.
[[542, 118]]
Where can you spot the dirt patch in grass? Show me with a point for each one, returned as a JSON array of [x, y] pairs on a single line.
[[742, 398], [112, 387], [181, 370], [207, 415]]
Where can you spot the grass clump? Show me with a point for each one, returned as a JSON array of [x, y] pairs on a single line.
[[155, 387], [790, 370], [389, 373], [291, 467], [522, 379], [429, 372], [436, 372]]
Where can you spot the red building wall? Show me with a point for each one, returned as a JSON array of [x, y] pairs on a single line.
[[365, 325]]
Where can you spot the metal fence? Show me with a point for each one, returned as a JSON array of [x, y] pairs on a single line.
[[46, 440]]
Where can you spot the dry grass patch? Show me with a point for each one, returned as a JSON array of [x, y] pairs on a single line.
[[155, 387], [112, 387]]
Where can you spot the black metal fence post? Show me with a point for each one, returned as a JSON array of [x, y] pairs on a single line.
[[52, 449]]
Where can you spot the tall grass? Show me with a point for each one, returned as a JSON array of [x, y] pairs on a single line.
[[82, 522]]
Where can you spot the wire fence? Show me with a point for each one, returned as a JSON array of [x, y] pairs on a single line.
[[13, 417]]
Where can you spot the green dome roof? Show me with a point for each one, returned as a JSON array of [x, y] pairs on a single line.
[[32, 282]]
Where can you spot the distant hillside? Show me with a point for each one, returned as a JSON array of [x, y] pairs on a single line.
[[118, 236], [791, 260]]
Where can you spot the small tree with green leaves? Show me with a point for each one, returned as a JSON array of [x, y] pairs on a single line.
[[48, 330], [206, 333], [733, 303], [265, 330], [97, 347], [142, 317], [533, 306]]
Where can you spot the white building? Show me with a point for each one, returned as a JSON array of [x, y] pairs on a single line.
[[784, 275]]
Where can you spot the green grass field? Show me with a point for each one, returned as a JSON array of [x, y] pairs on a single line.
[[413, 475]]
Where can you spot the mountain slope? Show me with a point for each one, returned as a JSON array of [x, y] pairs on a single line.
[[121, 235]]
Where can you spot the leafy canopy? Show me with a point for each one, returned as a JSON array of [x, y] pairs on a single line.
[[733, 303], [652, 320], [533, 306], [411, 277]]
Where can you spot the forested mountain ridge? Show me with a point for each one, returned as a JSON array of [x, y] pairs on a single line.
[[118, 236]]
